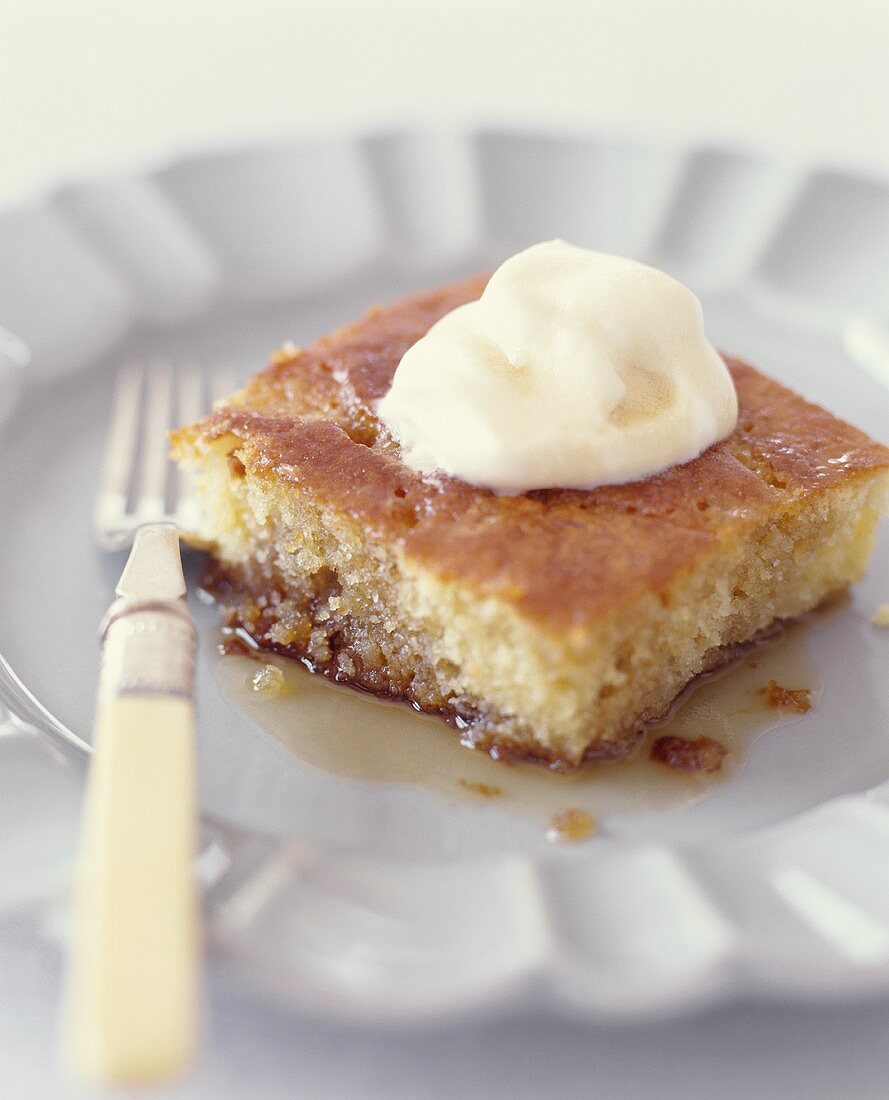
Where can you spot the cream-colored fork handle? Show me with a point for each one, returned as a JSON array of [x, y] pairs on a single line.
[[134, 966]]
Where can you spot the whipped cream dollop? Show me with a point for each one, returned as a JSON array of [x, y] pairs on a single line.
[[574, 369]]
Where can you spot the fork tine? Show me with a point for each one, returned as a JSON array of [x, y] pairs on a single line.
[[154, 472], [120, 452], [222, 384], [190, 405], [190, 399]]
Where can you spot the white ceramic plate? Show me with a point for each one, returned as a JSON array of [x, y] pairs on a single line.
[[384, 901]]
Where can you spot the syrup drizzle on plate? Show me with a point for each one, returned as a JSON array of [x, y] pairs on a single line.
[[359, 736]]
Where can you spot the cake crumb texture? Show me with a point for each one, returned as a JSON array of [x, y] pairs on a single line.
[[549, 626]]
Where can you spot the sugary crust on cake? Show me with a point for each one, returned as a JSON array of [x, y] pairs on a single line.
[[551, 625], [560, 557]]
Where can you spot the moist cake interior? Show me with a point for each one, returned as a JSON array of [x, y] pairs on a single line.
[[548, 626]]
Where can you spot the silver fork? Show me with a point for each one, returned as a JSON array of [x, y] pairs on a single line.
[[139, 483]]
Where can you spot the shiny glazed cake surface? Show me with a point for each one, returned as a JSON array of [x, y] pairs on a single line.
[[560, 557]]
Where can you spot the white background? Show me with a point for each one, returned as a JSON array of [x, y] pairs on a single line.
[[93, 86]]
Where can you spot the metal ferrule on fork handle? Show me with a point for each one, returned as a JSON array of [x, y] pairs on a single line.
[[148, 648]]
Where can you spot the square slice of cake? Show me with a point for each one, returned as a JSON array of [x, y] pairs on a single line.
[[548, 626]]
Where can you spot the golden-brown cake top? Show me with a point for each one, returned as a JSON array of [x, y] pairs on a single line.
[[562, 557]]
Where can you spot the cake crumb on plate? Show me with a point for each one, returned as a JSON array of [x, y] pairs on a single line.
[[881, 616]]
